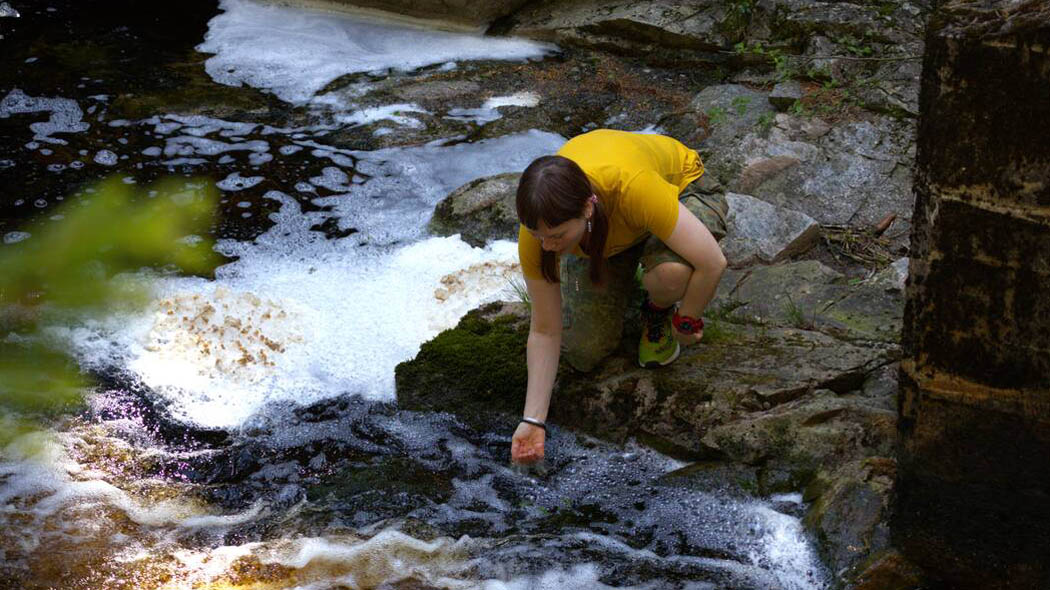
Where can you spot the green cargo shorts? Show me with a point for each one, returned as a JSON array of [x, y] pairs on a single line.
[[593, 316]]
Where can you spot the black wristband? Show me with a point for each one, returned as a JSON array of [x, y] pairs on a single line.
[[535, 422]]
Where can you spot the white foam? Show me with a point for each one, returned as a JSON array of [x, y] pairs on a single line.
[[236, 182], [65, 114], [299, 318], [489, 109], [784, 544], [295, 52], [406, 184], [393, 112], [188, 145], [333, 179], [106, 158]]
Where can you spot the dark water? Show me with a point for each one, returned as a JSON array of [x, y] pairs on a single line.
[[335, 491]]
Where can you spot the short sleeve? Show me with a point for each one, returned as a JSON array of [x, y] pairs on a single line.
[[651, 203], [529, 254]]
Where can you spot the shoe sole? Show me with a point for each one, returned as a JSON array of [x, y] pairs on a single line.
[[656, 364]]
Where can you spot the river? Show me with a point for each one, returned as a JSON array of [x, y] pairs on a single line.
[[191, 467]]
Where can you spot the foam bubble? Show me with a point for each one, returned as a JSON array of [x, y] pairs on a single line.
[[295, 52], [106, 158], [65, 114], [393, 112], [13, 237], [236, 182]]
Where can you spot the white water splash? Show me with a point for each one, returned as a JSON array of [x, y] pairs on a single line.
[[296, 52], [300, 318]]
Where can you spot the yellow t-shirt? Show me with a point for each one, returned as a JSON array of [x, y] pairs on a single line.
[[636, 176]]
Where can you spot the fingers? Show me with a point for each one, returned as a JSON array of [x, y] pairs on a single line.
[[522, 451]]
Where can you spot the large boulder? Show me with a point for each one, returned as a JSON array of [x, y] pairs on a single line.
[[854, 173], [480, 211], [808, 294], [739, 368], [817, 432], [760, 232], [659, 30], [850, 513], [478, 366]]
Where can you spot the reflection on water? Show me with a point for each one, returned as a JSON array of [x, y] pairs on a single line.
[[243, 435]]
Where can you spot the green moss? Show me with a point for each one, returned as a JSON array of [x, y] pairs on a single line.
[[480, 361], [718, 332]]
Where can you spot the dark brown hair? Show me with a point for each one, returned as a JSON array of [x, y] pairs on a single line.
[[554, 189]]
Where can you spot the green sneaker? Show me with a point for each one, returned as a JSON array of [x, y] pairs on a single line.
[[658, 346]]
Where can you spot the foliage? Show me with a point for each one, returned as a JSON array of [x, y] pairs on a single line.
[[740, 104], [780, 61], [738, 17], [766, 121], [717, 115], [73, 268]]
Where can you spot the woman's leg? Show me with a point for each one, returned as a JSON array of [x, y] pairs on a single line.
[[592, 315], [666, 276], [666, 282]]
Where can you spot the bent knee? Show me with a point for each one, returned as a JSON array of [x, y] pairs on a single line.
[[668, 273]]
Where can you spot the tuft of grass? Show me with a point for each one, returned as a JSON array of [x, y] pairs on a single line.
[[766, 121], [519, 291], [740, 104], [717, 115], [797, 316]]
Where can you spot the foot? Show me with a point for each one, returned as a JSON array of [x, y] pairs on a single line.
[[658, 346]]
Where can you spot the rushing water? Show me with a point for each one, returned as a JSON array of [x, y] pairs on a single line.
[[244, 434]]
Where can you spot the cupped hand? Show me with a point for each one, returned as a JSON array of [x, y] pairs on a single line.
[[527, 444]]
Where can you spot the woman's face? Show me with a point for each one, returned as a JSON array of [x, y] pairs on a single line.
[[562, 238]]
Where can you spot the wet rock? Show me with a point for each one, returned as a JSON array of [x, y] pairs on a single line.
[[785, 94], [380, 488], [850, 513], [480, 211], [760, 232]]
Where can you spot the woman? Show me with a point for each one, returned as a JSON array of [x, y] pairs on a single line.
[[615, 198]]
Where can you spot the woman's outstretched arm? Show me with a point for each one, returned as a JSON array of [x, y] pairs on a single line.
[[543, 350]]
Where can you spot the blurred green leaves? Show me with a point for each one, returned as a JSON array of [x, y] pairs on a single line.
[[72, 267]]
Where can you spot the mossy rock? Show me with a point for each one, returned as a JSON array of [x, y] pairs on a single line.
[[479, 364], [481, 210]]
